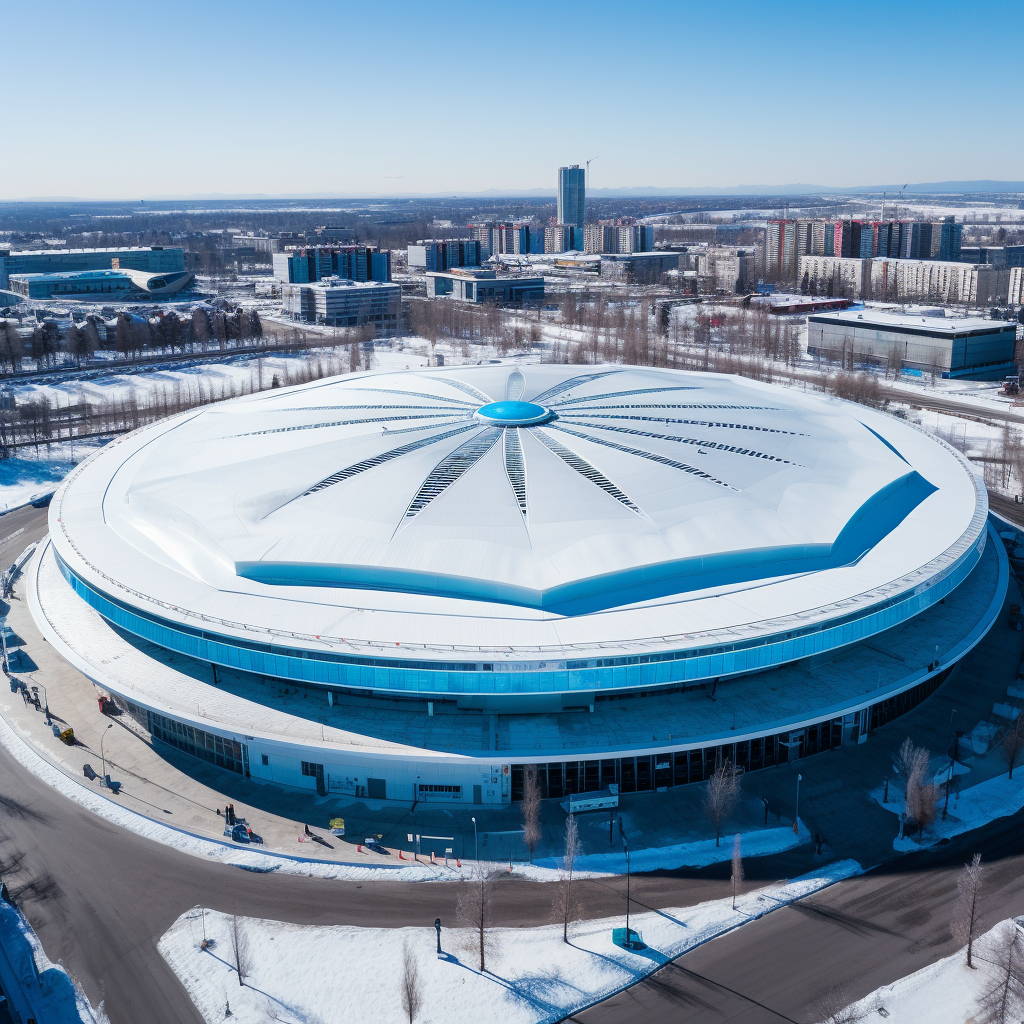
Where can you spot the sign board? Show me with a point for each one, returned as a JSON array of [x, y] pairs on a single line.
[[593, 802]]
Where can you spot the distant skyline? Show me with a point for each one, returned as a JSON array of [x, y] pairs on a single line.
[[114, 100]]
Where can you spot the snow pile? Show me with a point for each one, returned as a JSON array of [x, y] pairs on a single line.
[[760, 843], [968, 809], [339, 974], [35, 987], [947, 990]]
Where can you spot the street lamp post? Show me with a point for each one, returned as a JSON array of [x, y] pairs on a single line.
[[102, 756], [625, 847], [476, 840], [796, 816], [46, 704]]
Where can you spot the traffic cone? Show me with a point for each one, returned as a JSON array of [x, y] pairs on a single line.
[[359, 848], [459, 862]]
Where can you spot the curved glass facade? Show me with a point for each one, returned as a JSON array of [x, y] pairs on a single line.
[[411, 677]]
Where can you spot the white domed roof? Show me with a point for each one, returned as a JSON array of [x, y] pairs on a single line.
[[515, 507]]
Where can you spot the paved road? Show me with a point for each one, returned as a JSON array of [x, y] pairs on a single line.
[[101, 897], [863, 933]]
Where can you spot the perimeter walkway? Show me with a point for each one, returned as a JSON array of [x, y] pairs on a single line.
[[169, 786]]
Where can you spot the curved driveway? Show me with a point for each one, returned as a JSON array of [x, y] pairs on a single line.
[[101, 897]]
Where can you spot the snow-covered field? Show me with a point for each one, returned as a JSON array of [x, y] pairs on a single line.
[[29, 473], [946, 992], [330, 975]]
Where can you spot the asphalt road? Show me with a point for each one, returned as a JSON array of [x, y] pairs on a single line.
[[861, 933], [100, 898]]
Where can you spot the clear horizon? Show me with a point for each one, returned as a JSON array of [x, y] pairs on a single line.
[[220, 99]]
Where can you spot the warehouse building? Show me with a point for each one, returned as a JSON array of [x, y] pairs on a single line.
[[952, 346]]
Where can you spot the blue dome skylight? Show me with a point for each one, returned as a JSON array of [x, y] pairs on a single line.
[[513, 414]]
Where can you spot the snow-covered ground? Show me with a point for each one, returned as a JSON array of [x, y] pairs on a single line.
[[760, 843], [31, 473], [36, 987], [331, 975], [969, 808], [946, 992]]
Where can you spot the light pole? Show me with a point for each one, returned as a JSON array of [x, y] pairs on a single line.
[[46, 704], [102, 757], [796, 816], [625, 847], [476, 841]]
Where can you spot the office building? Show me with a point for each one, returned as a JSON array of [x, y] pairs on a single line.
[[638, 267], [340, 302], [993, 255], [475, 285], [313, 263], [1015, 286], [155, 259], [563, 238], [620, 236], [453, 585], [572, 196], [895, 280], [331, 233], [952, 346], [442, 254]]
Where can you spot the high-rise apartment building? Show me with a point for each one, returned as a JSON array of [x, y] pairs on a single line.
[[572, 195]]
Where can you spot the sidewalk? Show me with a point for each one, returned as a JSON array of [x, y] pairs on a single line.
[[174, 788]]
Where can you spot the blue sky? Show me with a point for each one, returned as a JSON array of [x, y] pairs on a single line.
[[119, 99]]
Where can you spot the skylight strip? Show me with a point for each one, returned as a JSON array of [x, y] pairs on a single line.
[[696, 441], [379, 460], [515, 466], [451, 467], [585, 469], [650, 456], [568, 385], [620, 394]]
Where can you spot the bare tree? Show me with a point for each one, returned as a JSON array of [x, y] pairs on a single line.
[[910, 759], [240, 949], [922, 795], [1013, 742], [412, 991], [474, 910], [833, 1009], [530, 808], [965, 913], [1003, 1003], [566, 905], [720, 796], [737, 868]]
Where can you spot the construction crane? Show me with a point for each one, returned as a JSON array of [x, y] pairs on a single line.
[[589, 162]]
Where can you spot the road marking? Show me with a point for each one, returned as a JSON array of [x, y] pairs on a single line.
[[12, 536]]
